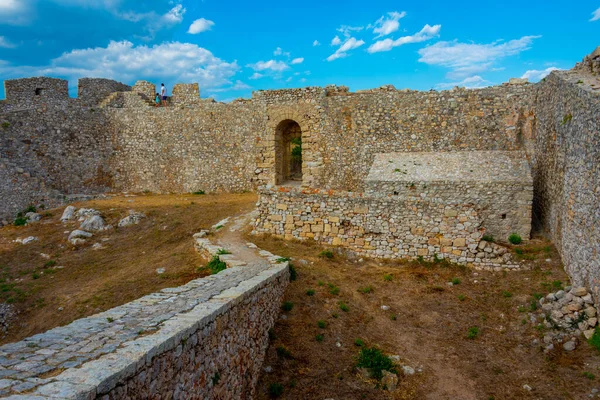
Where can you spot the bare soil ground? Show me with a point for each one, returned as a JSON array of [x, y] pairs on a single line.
[[95, 280], [427, 326]]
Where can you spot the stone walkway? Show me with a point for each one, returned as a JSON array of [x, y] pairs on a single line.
[[48, 365]]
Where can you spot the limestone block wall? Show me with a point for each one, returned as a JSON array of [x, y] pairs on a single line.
[[384, 226], [566, 170], [29, 91], [186, 94], [203, 340], [91, 91]]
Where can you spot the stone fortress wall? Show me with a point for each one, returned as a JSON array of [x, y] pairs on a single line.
[[124, 143]]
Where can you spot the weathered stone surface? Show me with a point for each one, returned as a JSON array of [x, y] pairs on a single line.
[[93, 223], [68, 213], [133, 218]]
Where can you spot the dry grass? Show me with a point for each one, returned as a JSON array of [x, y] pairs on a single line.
[[96, 280], [427, 325]]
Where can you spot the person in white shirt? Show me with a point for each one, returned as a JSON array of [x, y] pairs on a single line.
[[163, 94]]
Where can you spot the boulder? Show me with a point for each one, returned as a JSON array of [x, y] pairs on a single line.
[[133, 218], [580, 291], [33, 217], [84, 213], [79, 234], [93, 223], [389, 380], [68, 214]]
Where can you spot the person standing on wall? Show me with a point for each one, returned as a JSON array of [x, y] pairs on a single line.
[[163, 93]]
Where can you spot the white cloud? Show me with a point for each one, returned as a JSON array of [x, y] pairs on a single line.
[[256, 75], [271, 65], [279, 52], [124, 62], [428, 32], [5, 43], [175, 14], [14, 12], [473, 82], [390, 24], [298, 60], [316, 43], [336, 41], [536, 75], [347, 30], [595, 15], [350, 44], [464, 59], [200, 25]]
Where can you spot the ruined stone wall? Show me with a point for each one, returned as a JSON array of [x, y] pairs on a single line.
[[385, 226], [35, 91], [567, 170], [91, 91]]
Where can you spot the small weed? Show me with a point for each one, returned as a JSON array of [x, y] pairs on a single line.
[[35, 275], [293, 273], [50, 264], [335, 315], [5, 125], [523, 321], [283, 352], [393, 317], [218, 227], [199, 192], [387, 278], [30, 208], [366, 290], [515, 238], [287, 306], [343, 306], [537, 296], [589, 375], [455, 281], [519, 251], [461, 297], [326, 254], [320, 283], [310, 292], [275, 390], [282, 260], [473, 332], [557, 284], [321, 324], [216, 378], [359, 342], [109, 319], [375, 361], [223, 252], [579, 82], [319, 338], [533, 306], [334, 290], [488, 238], [215, 265], [566, 119], [506, 294]]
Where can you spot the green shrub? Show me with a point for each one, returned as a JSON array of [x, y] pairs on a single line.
[[387, 278], [283, 352], [343, 306], [216, 265], [319, 338], [35, 275], [589, 375], [20, 221], [334, 290], [461, 297], [366, 289], [293, 273], [275, 390], [455, 281], [287, 306], [594, 341], [473, 332], [375, 362], [488, 238], [359, 342], [506, 294], [30, 208], [515, 238], [5, 125], [199, 192], [310, 292], [321, 324], [326, 254], [49, 264]]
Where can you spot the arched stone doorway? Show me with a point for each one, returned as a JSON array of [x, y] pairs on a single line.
[[288, 152]]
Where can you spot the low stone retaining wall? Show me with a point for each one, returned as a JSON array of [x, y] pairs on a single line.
[[381, 226], [203, 340]]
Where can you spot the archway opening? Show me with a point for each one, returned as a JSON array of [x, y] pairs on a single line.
[[288, 152]]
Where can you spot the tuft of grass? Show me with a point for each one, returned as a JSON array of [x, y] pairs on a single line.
[[557, 285], [326, 254], [199, 192], [393, 317], [223, 252], [293, 273], [488, 238], [310, 292], [20, 221], [283, 352], [359, 342], [35, 275], [275, 390], [5, 125], [388, 278], [335, 315], [594, 341], [218, 227], [320, 283], [455, 281], [334, 290], [343, 306], [282, 259], [109, 319], [215, 265], [506, 294], [515, 238], [461, 297], [375, 362], [566, 119], [589, 375], [473, 332], [50, 264], [287, 306], [321, 324], [366, 289], [319, 338]]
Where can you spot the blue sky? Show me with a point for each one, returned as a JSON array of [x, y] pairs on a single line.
[[234, 47]]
